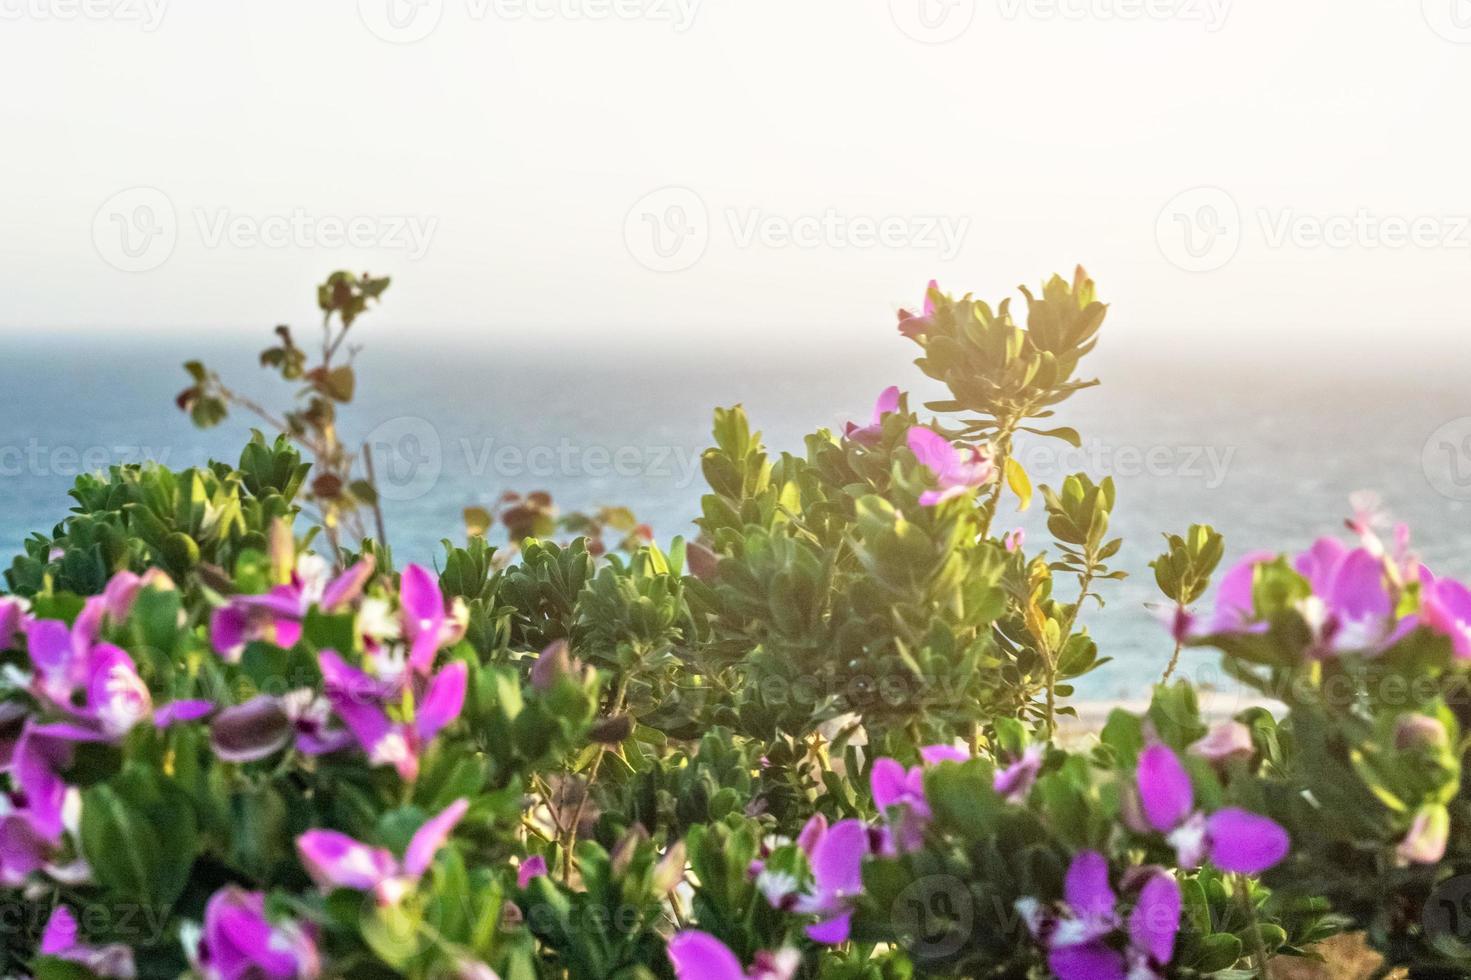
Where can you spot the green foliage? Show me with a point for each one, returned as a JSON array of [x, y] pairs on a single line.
[[140, 516]]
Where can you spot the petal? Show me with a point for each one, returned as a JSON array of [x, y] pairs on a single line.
[[336, 860], [1246, 842], [935, 754], [22, 850], [1164, 788], [61, 932], [428, 839], [421, 600], [933, 451], [698, 955], [181, 711], [443, 701], [812, 833], [251, 731], [1086, 887], [1235, 598], [887, 783], [348, 586], [1320, 563], [1092, 961], [1359, 591], [1155, 921], [227, 631], [837, 861], [831, 931], [888, 403], [929, 297], [533, 867]]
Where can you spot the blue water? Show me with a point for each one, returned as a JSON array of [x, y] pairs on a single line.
[[1268, 455]]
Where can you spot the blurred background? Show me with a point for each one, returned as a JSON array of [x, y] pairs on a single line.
[[604, 217]]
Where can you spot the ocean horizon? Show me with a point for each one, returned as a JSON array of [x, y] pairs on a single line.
[[1269, 455]]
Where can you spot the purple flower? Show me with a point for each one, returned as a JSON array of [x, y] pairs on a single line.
[[335, 860], [698, 955], [1445, 607], [277, 615], [1014, 783], [870, 434], [531, 868], [899, 795], [1076, 939], [1234, 839], [426, 623], [1235, 597], [1014, 540], [360, 702], [59, 941], [956, 471], [837, 874], [916, 327], [240, 943]]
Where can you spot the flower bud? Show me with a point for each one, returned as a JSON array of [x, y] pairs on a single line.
[[1225, 742], [1426, 841], [1416, 731], [554, 663]]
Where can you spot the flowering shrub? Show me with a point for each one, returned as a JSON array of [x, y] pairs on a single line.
[[818, 740]]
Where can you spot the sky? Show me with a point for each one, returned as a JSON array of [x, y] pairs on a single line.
[[704, 172]]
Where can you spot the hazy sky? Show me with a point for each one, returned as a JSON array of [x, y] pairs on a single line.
[[702, 168]]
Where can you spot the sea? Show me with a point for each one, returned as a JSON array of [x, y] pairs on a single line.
[[1267, 447]]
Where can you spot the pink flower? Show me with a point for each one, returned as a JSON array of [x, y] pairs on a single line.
[[1014, 540], [1235, 840], [240, 943], [956, 471], [60, 942], [917, 327], [1445, 607], [870, 434], [531, 868], [837, 874], [1014, 783], [277, 615], [899, 795], [1076, 938], [360, 702], [335, 860], [698, 955]]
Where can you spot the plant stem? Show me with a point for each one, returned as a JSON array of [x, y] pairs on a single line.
[[592, 774], [1258, 948]]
